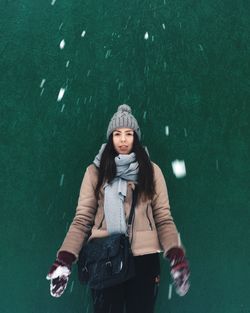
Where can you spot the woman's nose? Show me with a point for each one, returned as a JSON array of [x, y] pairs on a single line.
[[123, 138]]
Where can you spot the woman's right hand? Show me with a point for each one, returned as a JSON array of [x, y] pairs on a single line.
[[59, 273], [180, 271]]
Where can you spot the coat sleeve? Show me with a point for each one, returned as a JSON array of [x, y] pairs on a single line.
[[84, 217], [166, 228]]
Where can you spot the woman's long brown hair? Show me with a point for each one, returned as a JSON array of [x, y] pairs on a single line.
[[107, 169]]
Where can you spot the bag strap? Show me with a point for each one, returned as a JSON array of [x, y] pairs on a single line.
[[132, 210]]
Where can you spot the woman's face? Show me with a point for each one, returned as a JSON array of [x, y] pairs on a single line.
[[123, 139]]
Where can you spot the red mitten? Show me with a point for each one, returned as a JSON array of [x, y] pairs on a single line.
[[59, 273], [179, 270]]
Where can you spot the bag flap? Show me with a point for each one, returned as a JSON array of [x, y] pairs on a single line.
[[103, 248]]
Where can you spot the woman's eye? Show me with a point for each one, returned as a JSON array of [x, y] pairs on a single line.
[[128, 134]]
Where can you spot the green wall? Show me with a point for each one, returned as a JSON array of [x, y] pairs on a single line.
[[192, 74]]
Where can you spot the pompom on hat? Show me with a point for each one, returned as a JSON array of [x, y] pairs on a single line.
[[123, 118]]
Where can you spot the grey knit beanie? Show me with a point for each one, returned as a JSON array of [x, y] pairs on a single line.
[[123, 118]]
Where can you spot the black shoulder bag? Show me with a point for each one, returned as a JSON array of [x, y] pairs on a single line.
[[108, 261]]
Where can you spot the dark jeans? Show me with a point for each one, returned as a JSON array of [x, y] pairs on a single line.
[[137, 295]]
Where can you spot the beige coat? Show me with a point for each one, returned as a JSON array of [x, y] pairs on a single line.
[[153, 228]]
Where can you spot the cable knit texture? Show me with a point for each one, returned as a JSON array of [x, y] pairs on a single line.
[[123, 118]]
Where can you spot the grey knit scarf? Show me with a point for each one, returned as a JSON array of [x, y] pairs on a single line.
[[127, 169]]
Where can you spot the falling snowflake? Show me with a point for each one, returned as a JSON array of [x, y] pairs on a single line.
[[42, 83], [179, 168], [62, 44], [61, 94]]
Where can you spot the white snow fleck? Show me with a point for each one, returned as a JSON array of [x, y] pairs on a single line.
[[108, 53], [60, 94], [42, 82], [179, 168], [146, 36], [61, 181], [49, 208], [185, 132], [61, 25], [62, 44], [120, 85], [201, 47], [121, 265], [163, 26], [67, 64], [167, 130], [83, 33], [179, 239], [41, 92], [63, 106], [53, 2], [146, 149], [144, 114], [71, 287], [170, 291]]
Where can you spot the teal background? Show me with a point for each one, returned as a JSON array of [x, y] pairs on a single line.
[[192, 74]]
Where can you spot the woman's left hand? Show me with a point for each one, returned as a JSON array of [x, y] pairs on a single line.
[[179, 270]]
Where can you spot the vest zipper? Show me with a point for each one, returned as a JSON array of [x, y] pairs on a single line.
[[150, 224]]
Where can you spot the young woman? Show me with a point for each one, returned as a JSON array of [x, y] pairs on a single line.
[[103, 208]]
